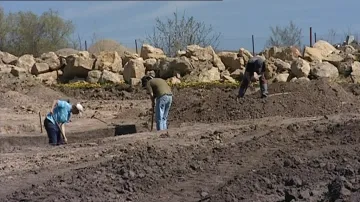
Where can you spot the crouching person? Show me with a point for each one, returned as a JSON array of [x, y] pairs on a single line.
[[255, 65], [160, 92], [55, 120]]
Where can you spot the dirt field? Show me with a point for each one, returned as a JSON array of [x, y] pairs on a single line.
[[300, 143]]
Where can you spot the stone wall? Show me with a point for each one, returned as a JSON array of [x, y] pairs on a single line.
[[195, 64]]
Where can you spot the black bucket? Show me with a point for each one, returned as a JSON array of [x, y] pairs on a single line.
[[125, 129]]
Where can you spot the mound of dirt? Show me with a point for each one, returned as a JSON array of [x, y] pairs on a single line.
[[108, 45], [319, 163], [298, 100], [352, 88], [25, 91]]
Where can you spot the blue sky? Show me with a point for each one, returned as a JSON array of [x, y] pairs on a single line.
[[237, 20]]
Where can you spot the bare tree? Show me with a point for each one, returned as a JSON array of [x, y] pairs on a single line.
[[173, 34], [331, 36], [289, 35]]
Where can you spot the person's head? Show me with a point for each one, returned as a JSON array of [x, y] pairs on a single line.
[[77, 109], [145, 80]]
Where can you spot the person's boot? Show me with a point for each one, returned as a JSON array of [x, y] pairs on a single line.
[[264, 90]]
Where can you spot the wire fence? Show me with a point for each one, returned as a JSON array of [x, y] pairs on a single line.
[[256, 43]]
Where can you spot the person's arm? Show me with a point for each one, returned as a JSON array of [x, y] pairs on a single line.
[[63, 128], [53, 106], [150, 92]]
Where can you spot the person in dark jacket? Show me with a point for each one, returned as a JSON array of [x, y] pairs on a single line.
[[255, 65]]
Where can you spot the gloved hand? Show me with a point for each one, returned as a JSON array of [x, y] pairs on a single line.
[[254, 78]]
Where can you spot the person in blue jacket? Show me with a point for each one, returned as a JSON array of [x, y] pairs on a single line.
[[56, 119]]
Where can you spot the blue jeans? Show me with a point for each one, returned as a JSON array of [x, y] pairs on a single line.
[[53, 132], [162, 108]]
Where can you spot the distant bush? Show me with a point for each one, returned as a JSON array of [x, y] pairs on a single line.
[[289, 35], [28, 33]]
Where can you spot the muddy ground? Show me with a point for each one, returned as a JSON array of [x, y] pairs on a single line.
[[301, 143]]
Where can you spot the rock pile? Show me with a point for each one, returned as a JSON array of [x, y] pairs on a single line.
[[200, 64]]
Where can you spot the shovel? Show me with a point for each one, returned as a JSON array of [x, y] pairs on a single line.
[[152, 117], [61, 132], [94, 117]]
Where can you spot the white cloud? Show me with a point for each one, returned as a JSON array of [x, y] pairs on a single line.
[[97, 8]]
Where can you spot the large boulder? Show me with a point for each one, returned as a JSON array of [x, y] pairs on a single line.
[[148, 51], [151, 64], [238, 74], [174, 80], [5, 68], [225, 76], [355, 71], [334, 59], [270, 70], [51, 59], [8, 58], [40, 68], [127, 56], [78, 65], [49, 77], [109, 61], [324, 47], [231, 61], [204, 54], [283, 77], [282, 66], [245, 55], [108, 45], [26, 62], [312, 54], [65, 52], [300, 80], [300, 68], [204, 75], [200, 53], [227, 58], [324, 70], [94, 76], [320, 50], [110, 77], [345, 68], [284, 53], [134, 69], [169, 67]]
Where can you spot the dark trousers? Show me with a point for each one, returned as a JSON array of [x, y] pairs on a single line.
[[246, 81], [53, 133]]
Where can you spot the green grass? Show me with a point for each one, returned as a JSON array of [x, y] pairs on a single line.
[[86, 85]]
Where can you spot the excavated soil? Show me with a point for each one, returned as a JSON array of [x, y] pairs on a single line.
[[290, 100], [301, 143]]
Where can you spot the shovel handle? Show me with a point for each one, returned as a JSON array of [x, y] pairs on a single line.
[[152, 118], [61, 132]]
